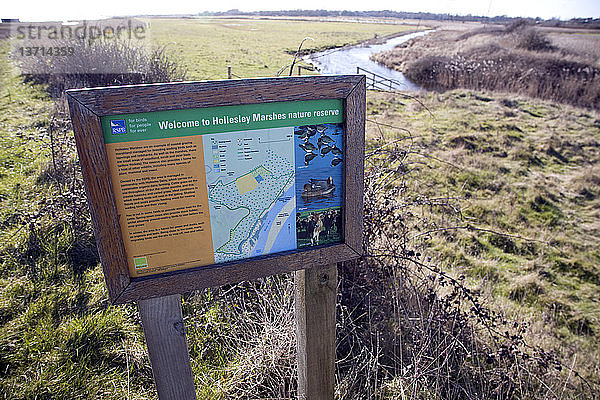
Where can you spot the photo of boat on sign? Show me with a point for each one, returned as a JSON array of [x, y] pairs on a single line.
[[317, 189], [319, 169]]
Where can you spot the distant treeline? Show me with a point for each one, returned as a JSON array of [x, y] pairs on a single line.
[[502, 19]]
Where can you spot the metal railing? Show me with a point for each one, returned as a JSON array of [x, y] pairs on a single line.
[[378, 82]]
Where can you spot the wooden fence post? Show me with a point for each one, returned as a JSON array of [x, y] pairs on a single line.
[[164, 331], [315, 296]]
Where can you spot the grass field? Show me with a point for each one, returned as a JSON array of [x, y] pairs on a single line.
[[583, 43], [526, 178], [523, 173], [253, 47]]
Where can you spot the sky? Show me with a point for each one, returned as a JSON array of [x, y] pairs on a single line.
[[77, 9]]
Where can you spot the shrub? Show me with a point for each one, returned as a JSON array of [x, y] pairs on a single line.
[[517, 25], [425, 70], [103, 63], [535, 41]]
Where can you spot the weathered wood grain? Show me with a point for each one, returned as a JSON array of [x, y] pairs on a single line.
[[354, 153], [315, 296], [98, 187], [182, 95], [164, 331], [202, 278]]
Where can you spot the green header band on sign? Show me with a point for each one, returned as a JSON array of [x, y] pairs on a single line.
[[200, 121]]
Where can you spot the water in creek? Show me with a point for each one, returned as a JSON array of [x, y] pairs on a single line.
[[346, 60]]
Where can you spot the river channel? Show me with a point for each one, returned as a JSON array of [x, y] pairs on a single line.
[[345, 60]]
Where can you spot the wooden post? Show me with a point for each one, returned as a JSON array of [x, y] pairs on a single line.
[[229, 72], [164, 331], [315, 296]]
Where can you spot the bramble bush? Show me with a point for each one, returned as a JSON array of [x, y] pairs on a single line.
[[103, 63]]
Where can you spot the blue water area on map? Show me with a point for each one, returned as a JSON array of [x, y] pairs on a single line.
[[314, 140], [282, 241], [286, 238]]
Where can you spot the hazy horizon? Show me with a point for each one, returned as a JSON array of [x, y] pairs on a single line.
[[44, 11]]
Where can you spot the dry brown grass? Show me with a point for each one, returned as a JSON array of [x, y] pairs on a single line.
[[524, 61], [582, 44]]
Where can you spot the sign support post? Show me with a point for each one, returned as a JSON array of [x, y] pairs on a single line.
[[315, 295], [164, 331]]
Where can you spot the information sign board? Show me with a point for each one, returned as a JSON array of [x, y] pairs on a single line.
[[193, 185]]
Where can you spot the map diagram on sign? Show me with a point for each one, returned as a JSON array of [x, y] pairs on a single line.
[[251, 192]]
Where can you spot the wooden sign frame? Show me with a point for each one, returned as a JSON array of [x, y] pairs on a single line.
[[87, 106]]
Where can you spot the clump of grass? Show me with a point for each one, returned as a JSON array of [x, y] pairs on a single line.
[[526, 290], [242, 339], [519, 24], [547, 78], [522, 61], [534, 40], [103, 63]]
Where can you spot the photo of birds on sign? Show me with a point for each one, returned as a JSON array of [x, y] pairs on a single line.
[[325, 144], [319, 158]]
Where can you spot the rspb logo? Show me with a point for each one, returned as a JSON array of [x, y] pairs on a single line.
[[117, 126]]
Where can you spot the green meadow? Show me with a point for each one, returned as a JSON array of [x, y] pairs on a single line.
[[254, 47], [522, 179]]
